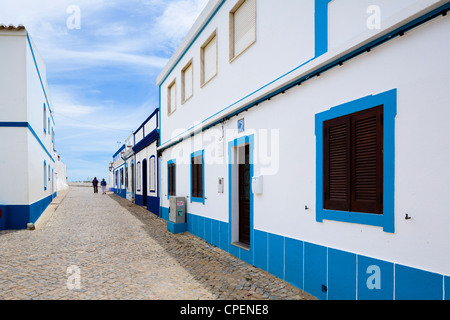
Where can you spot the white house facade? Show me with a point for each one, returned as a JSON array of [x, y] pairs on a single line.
[[27, 128], [310, 139], [146, 160]]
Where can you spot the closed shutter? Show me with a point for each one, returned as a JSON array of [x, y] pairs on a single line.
[[337, 164], [244, 26], [197, 177], [353, 162], [171, 179], [172, 98], [188, 83], [210, 60], [152, 174], [367, 157]]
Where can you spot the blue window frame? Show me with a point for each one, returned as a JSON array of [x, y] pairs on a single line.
[[45, 119], [386, 219], [171, 178], [198, 177], [45, 175]]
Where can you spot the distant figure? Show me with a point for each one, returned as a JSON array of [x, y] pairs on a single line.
[[95, 184], [103, 184]]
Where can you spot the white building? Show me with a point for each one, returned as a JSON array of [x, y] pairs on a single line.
[[146, 160], [27, 128], [119, 171], [311, 139]]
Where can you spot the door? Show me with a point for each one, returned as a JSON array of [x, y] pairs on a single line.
[[244, 194], [132, 180], [144, 182]]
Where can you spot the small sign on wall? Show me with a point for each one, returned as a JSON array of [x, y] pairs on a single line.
[[241, 125]]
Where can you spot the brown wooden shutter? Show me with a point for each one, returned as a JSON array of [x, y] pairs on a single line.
[[194, 178], [200, 177], [171, 179], [197, 176], [337, 164], [367, 161]]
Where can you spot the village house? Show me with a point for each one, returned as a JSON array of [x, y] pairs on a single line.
[[31, 172], [310, 139]]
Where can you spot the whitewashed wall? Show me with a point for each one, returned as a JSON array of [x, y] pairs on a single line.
[[420, 135]]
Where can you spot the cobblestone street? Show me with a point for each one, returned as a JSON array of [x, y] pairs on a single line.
[[90, 246]]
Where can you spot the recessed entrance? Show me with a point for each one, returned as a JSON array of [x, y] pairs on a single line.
[[144, 182], [240, 193]]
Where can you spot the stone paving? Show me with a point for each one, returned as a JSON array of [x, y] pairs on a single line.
[[90, 246]]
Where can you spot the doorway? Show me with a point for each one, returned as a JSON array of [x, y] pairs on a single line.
[[241, 198], [144, 183], [244, 194]]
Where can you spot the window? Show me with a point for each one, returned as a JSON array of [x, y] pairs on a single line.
[[152, 174], [242, 27], [171, 176], [355, 168], [138, 180], [209, 59], [45, 175], [197, 193], [187, 80], [45, 119], [126, 177], [121, 177], [171, 98], [353, 162]]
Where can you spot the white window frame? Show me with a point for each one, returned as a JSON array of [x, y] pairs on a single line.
[[185, 97], [203, 80], [233, 54], [172, 86]]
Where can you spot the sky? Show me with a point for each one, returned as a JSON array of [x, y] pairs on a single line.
[[102, 59]]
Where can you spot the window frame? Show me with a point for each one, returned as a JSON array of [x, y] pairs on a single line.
[[174, 163], [45, 119], [203, 81], [386, 220], [193, 156], [184, 98], [138, 178], [173, 85], [233, 54], [152, 169], [45, 175]]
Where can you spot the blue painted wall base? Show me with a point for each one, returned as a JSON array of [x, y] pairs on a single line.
[[326, 273], [16, 217], [176, 228]]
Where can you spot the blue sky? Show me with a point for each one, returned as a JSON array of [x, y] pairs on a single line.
[[102, 76]]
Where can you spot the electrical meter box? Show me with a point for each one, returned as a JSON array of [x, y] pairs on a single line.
[[177, 210]]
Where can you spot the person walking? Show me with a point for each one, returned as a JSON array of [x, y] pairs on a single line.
[[95, 184], [103, 184]]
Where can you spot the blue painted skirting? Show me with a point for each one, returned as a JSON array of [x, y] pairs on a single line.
[[16, 217], [326, 273], [152, 203], [121, 192]]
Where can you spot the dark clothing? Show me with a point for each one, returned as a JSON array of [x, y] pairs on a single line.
[[103, 183], [95, 184]]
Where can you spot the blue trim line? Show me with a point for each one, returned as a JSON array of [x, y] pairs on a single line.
[[192, 42], [339, 61], [193, 155], [312, 267], [26, 125], [146, 141], [119, 151], [39, 74], [321, 27], [386, 220]]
